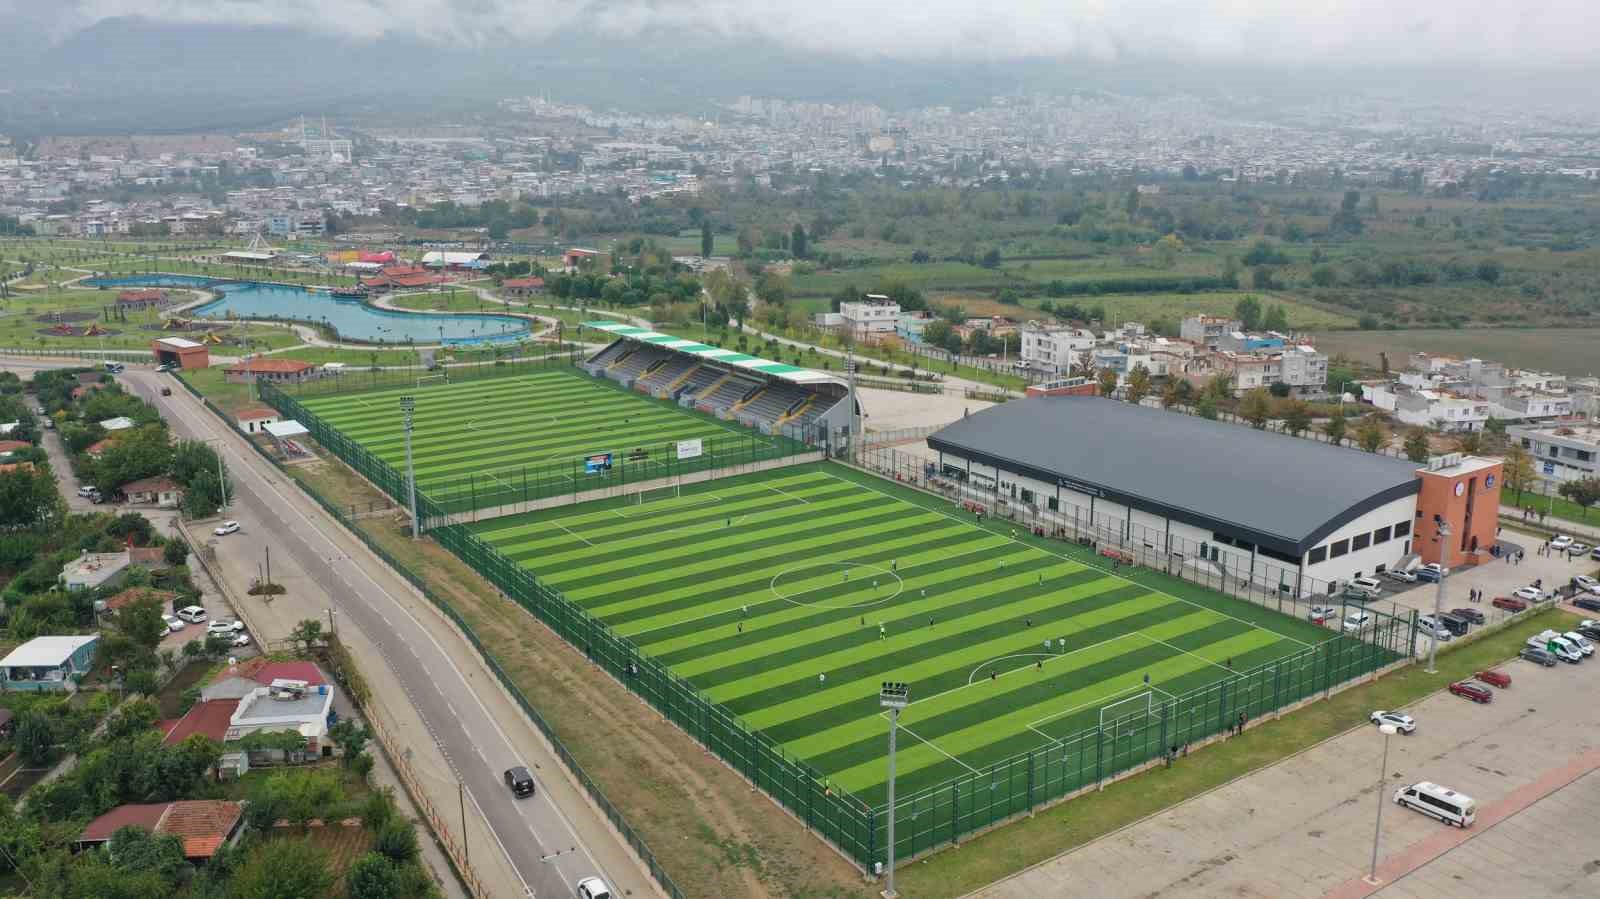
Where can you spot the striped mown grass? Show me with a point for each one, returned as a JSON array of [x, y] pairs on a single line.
[[789, 596], [540, 425]]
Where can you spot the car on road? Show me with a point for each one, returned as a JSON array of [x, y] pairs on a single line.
[[174, 623], [1587, 584], [226, 528], [1578, 549], [1471, 616], [1537, 656], [1321, 614], [1494, 678], [519, 781], [225, 626], [192, 614], [115, 368], [1588, 603], [593, 888], [240, 639], [1401, 575], [1430, 572], [1561, 541], [1593, 553], [1529, 593], [1356, 622], [1510, 604], [1402, 723], [1472, 690], [1363, 588]]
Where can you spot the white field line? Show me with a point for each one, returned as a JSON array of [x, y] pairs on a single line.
[[1053, 656], [934, 745], [571, 531], [1034, 725], [704, 500], [1089, 564], [1184, 651], [788, 494]]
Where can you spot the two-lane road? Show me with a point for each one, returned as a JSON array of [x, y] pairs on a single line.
[[463, 709]]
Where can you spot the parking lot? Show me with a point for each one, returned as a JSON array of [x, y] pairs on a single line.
[[1304, 827]]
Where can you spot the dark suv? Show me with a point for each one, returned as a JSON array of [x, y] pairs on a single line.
[[519, 781]]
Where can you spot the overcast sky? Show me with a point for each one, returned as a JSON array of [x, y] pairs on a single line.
[[1492, 33]]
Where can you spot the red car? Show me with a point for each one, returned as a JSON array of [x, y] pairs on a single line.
[[1494, 678], [1472, 690], [1509, 603]]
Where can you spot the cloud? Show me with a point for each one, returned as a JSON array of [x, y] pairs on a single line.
[[1489, 33]]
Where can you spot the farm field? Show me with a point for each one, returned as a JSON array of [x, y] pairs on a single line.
[[1145, 307], [522, 432], [1570, 351], [788, 596]]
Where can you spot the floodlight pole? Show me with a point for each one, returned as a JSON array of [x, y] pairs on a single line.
[[408, 404], [1441, 531], [1388, 730], [894, 696]]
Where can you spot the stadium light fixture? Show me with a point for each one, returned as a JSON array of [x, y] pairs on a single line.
[[408, 405], [1388, 730], [1441, 532], [893, 696]]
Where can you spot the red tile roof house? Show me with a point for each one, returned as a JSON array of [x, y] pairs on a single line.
[[161, 492], [522, 287], [133, 594], [291, 371], [12, 446], [204, 825], [256, 418]]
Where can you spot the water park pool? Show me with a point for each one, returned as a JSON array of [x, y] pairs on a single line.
[[350, 319]]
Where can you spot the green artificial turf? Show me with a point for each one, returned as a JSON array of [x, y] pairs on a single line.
[[751, 587]]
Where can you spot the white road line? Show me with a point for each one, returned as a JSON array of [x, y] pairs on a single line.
[[1086, 564]]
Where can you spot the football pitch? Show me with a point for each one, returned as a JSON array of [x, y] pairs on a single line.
[[789, 596], [547, 422]]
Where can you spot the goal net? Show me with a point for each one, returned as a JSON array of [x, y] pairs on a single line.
[[431, 380], [656, 494]]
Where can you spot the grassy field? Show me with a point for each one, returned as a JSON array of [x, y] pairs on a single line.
[[1570, 351], [931, 276], [550, 419], [1144, 307], [788, 596]]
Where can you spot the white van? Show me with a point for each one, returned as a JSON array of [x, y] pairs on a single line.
[[1434, 629], [1557, 645], [1580, 641], [1441, 802]]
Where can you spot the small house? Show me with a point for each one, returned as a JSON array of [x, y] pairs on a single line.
[[280, 371], [254, 420], [93, 570], [161, 492], [203, 825], [522, 287], [48, 663]]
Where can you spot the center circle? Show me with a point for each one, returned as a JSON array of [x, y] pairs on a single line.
[[856, 572]]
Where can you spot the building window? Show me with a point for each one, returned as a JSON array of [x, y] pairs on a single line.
[[1403, 528], [1360, 541], [1320, 554], [1339, 548], [1381, 535], [1027, 496], [1054, 504]]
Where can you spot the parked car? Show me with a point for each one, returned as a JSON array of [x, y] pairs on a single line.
[[1356, 622], [1430, 572], [1366, 585], [1537, 656], [1434, 629], [1530, 593], [1587, 584], [1510, 604], [1402, 723], [225, 626], [240, 639], [85, 490], [1582, 642], [1438, 802], [1589, 628], [1494, 678], [1454, 623], [226, 528], [192, 614], [1578, 549], [1593, 553], [519, 781], [593, 888], [1321, 614], [1472, 616], [174, 623], [1588, 603], [1472, 690], [1401, 575], [1561, 541], [1556, 645]]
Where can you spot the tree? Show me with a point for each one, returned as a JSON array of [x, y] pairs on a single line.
[[176, 552], [1256, 408], [1335, 427], [142, 622], [28, 496], [1370, 435], [1107, 380], [707, 242], [990, 259], [936, 332], [797, 241], [1220, 386], [372, 876], [34, 738], [283, 869], [1416, 445], [1469, 442], [1207, 407], [1279, 389], [1248, 312], [1138, 384], [1169, 394], [136, 850], [1275, 319], [1297, 417], [1583, 493], [397, 840], [1519, 475], [307, 633], [350, 737]]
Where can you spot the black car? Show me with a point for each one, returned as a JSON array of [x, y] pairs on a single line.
[[1538, 656], [1588, 603], [1592, 631], [1455, 624], [1472, 616], [519, 781]]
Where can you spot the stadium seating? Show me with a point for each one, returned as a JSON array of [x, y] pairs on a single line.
[[598, 362], [670, 372], [697, 381], [729, 392], [635, 364]]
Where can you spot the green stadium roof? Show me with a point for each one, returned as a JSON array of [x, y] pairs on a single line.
[[714, 354]]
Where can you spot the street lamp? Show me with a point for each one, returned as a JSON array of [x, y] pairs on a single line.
[[894, 696], [1441, 532], [408, 405], [1388, 730]]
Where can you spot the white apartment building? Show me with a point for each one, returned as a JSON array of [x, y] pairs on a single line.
[[872, 318], [1207, 330], [1427, 407], [1303, 368], [1564, 451], [1055, 350]]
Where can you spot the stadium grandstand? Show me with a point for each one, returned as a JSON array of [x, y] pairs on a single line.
[[772, 397]]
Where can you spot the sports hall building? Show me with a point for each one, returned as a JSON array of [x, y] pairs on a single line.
[[1283, 512]]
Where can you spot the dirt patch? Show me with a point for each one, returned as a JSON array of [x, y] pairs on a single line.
[[64, 330], [713, 833], [71, 315]]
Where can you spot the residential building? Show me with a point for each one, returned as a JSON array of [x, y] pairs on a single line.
[[286, 705], [91, 571], [278, 370], [203, 825], [1207, 330], [1303, 368], [522, 287], [297, 224], [161, 492], [1562, 451], [872, 318], [254, 419], [48, 663], [910, 325], [1054, 349], [1427, 408]]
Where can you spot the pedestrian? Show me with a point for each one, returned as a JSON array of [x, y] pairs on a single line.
[[1047, 645], [1002, 564], [730, 523], [991, 674], [847, 575], [1241, 722], [894, 564], [1172, 754], [1041, 580], [822, 679], [930, 621], [1028, 622], [1013, 533], [863, 621], [924, 592], [883, 633], [746, 611], [1061, 644], [1038, 664], [1230, 663]]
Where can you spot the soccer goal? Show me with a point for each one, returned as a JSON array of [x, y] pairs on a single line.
[[657, 494], [431, 380]]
